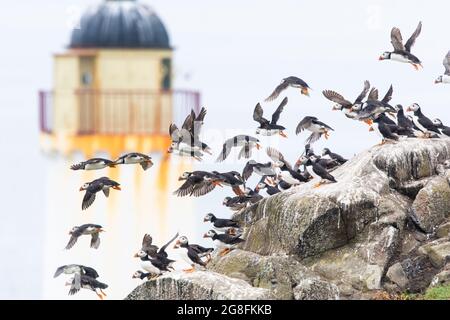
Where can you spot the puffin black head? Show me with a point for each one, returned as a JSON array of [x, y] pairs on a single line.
[[439, 79], [210, 234], [209, 217], [139, 275], [414, 107], [226, 200], [385, 55], [85, 186], [303, 161], [438, 123], [140, 254], [74, 229], [184, 176], [181, 242], [325, 151]]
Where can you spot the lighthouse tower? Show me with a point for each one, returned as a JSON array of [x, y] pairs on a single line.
[[112, 93]]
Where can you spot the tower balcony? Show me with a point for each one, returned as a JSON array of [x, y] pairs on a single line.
[[112, 121]]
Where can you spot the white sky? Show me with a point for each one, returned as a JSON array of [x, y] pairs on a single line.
[[236, 52]]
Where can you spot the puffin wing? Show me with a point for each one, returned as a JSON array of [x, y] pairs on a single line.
[[188, 186], [336, 97], [276, 155], [277, 113], [313, 138], [446, 64], [413, 37], [59, 271], [95, 240], [388, 95], [258, 115], [282, 86], [226, 149], [198, 123], [322, 172], [189, 121], [373, 94], [147, 242], [320, 123], [193, 256], [397, 40], [164, 247], [202, 189], [304, 124], [363, 93], [88, 200], [73, 239]]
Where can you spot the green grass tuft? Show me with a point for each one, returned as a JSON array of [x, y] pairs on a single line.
[[438, 293]]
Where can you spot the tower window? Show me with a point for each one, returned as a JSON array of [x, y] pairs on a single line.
[[86, 78], [166, 65]]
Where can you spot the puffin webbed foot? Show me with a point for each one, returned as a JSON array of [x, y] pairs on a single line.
[[224, 252], [189, 270]]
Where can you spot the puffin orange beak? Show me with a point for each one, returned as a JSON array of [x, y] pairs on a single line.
[[284, 135], [136, 255], [380, 58], [258, 146], [176, 244], [305, 91], [81, 189], [116, 188], [205, 236], [436, 82], [371, 129], [204, 220], [408, 109]]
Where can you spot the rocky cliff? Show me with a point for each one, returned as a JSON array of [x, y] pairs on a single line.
[[383, 226]]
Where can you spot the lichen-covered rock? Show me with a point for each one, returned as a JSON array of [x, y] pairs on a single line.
[[316, 289], [442, 278], [307, 221], [443, 230], [199, 285], [432, 204], [397, 275], [439, 254]]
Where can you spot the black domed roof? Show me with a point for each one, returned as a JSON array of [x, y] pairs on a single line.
[[120, 24]]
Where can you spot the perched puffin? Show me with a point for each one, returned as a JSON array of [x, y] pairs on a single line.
[[153, 260], [192, 253], [219, 224], [445, 78], [287, 174], [88, 283], [317, 128], [444, 129], [197, 183], [402, 53], [246, 142], [421, 121], [262, 169], [93, 164], [316, 170], [77, 270], [293, 82], [342, 103], [135, 158], [266, 127], [327, 163], [271, 189], [334, 156], [85, 229], [141, 275], [223, 241], [91, 188], [384, 130]]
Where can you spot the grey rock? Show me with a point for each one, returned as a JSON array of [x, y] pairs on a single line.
[[442, 278], [443, 230], [397, 275], [316, 289]]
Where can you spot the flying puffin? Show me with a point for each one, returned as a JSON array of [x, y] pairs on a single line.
[[192, 253], [223, 241], [135, 158], [86, 229], [263, 169], [317, 128], [219, 224], [293, 82], [231, 179], [77, 270], [93, 164], [316, 170], [445, 78], [266, 127], [342, 103], [334, 156], [444, 129], [91, 188], [372, 108], [197, 183], [421, 121], [246, 142], [287, 174], [89, 283], [402, 53]]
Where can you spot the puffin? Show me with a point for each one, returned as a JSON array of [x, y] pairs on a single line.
[[186, 151], [266, 127], [91, 188], [342, 103], [334, 156], [197, 183], [192, 254], [287, 174], [89, 283], [421, 121], [293, 82], [231, 179], [136, 158], [316, 170], [444, 129], [93, 164], [445, 78], [77, 270], [384, 130], [153, 260], [247, 143], [223, 241], [327, 163], [270, 188], [221, 225], [373, 107], [141, 275], [236, 203], [262, 169], [402, 53], [317, 128], [86, 229]]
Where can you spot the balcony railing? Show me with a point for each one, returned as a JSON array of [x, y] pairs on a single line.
[[115, 111]]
